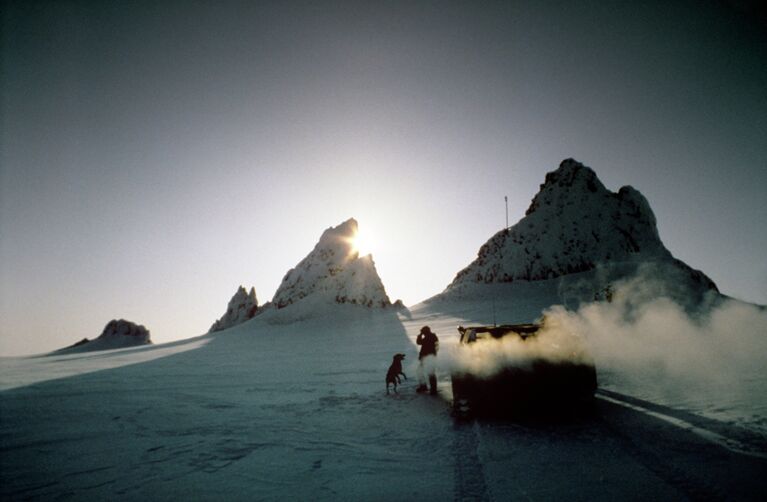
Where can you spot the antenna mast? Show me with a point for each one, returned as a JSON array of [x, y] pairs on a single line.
[[506, 200]]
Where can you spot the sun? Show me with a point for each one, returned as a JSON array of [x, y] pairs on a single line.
[[362, 243]]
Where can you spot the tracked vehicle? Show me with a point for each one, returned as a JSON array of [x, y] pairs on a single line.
[[530, 371]]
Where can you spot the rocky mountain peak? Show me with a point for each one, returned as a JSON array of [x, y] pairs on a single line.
[[572, 225], [117, 334], [340, 238], [241, 307], [571, 180], [334, 271], [122, 328]]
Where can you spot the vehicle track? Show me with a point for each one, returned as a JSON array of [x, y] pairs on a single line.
[[469, 477]]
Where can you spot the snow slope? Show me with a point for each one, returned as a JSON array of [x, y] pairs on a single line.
[[275, 410], [264, 411]]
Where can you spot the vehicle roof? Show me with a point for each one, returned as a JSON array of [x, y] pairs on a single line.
[[522, 330], [519, 328]]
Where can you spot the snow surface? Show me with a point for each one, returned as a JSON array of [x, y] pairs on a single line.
[[293, 406], [18, 372], [241, 307]]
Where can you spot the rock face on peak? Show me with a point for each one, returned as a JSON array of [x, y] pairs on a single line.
[[241, 307], [117, 334], [573, 224], [125, 330], [334, 272]]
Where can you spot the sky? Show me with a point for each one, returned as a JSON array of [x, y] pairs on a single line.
[[156, 155]]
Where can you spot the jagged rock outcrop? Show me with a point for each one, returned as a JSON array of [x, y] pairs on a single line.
[[125, 331], [241, 307], [574, 224], [117, 334], [335, 273]]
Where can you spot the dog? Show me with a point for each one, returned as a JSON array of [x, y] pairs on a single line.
[[395, 370]]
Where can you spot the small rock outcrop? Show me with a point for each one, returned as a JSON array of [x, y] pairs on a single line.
[[117, 334], [122, 331], [241, 307]]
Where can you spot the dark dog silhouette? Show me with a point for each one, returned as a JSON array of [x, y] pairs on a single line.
[[395, 370]]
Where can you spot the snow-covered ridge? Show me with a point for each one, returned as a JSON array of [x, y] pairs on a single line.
[[333, 271], [572, 225], [117, 334], [241, 307]]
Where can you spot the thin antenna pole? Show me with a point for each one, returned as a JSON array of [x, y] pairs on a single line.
[[506, 200], [494, 323]]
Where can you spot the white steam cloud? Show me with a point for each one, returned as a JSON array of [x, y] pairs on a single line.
[[488, 357], [652, 347], [711, 360], [659, 334]]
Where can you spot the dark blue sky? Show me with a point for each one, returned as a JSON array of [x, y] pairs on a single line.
[[155, 155]]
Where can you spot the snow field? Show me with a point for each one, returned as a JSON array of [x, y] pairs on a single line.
[[292, 405]]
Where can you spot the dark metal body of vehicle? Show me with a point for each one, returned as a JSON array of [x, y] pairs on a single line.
[[536, 383]]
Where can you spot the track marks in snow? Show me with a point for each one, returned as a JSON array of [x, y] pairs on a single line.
[[223, 454], [469, 477], [728, 443], [663, 465], [90, 471], [692, 454]]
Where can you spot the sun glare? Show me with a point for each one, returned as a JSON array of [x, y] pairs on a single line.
[[362, 243]]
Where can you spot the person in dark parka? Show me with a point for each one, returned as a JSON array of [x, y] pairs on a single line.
[[427, 359]]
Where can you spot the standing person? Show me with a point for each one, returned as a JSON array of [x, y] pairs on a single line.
[[427, 359]]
